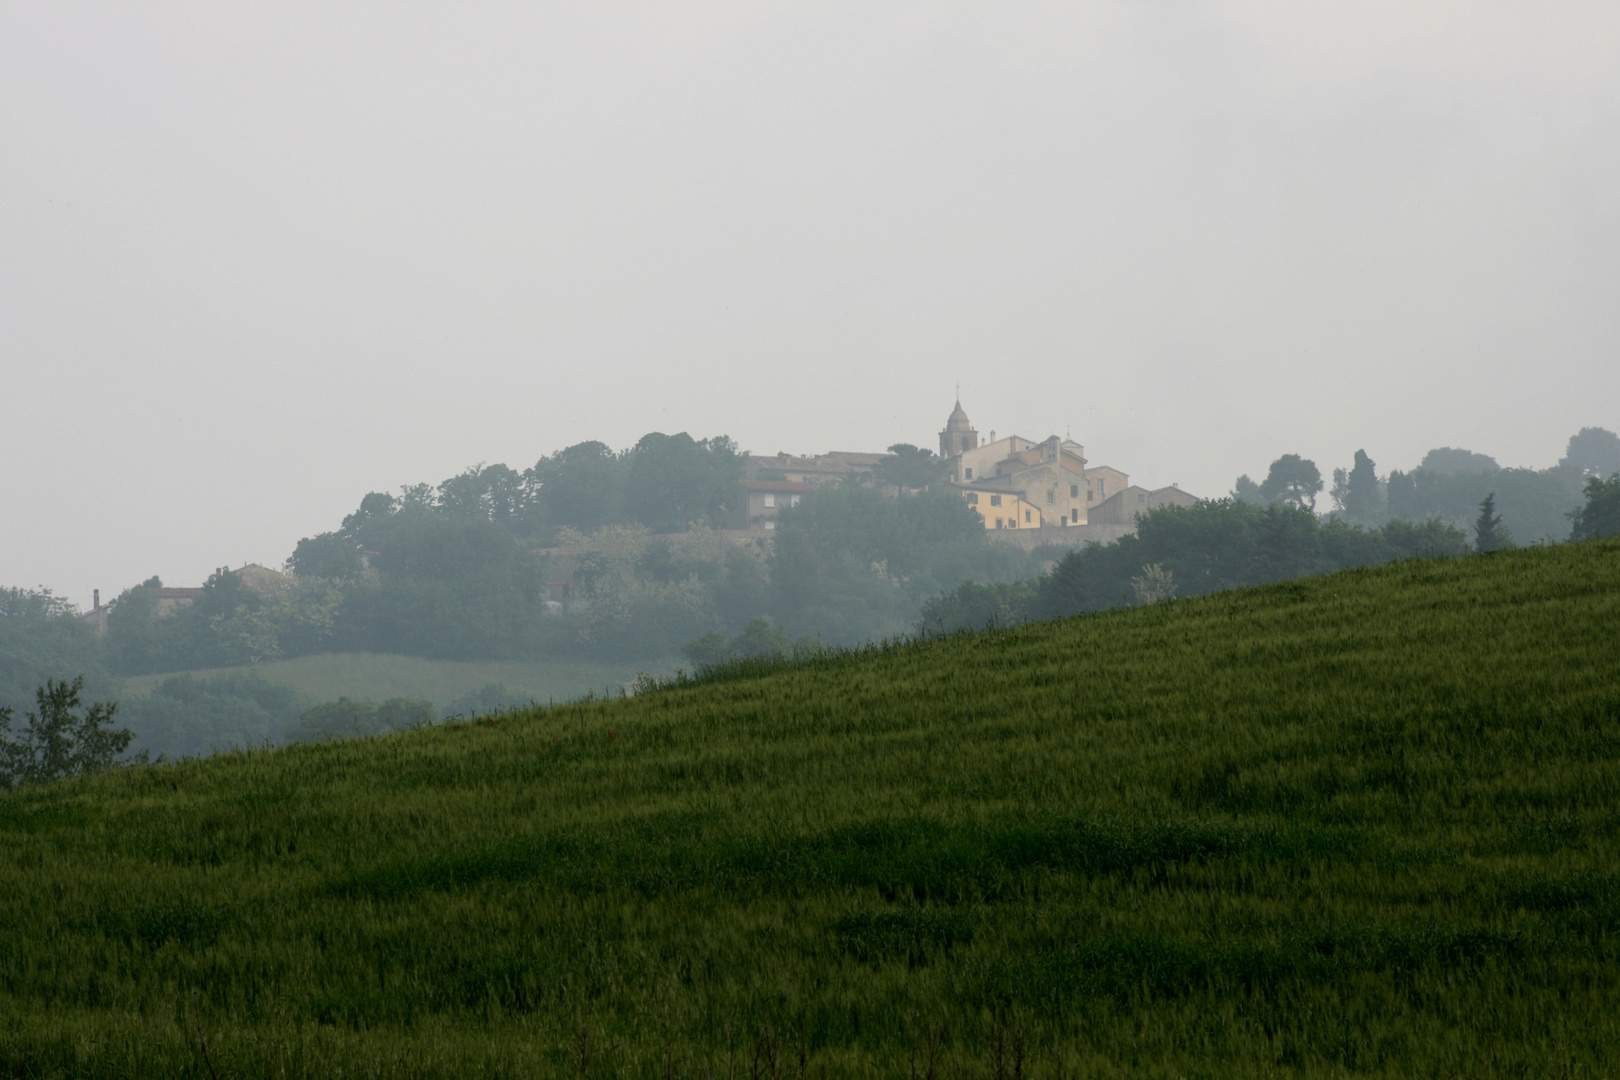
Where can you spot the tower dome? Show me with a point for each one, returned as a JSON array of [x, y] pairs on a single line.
[[958, 435]]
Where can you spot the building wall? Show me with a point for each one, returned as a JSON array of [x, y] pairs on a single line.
[[1072, 537], [980, 462], [1123, 507], [764, 500], [1002, 509], [1103, 483]]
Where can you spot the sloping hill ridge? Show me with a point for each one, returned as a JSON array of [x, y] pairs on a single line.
[[1359, 824]]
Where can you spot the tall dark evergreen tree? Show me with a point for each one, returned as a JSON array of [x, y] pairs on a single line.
[[1357, 492], [1487, 528]]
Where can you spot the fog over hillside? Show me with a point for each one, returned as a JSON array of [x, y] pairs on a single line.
[[256, 260]]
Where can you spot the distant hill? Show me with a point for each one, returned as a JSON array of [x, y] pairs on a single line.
[[1359, 823]]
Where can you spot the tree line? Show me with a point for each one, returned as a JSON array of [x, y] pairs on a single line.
[[1449, 485], [465, 570], [590, 552], [1454, 503]]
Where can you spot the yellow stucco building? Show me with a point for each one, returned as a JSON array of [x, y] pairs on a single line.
[[1001, 509]]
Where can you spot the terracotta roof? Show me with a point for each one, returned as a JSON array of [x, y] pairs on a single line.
[[777, 485]]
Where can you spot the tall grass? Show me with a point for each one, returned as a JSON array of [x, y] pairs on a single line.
[[1362, 824]]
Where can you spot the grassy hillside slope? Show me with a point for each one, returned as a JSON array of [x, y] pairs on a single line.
[[378, 676], [1361, 824]]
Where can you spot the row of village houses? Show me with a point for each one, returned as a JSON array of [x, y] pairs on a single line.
[[1012, 483]]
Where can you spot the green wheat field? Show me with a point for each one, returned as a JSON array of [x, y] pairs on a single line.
[[376, 677], [1356, 825]]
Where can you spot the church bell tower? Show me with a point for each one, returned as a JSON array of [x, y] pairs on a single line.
[[958, 435]]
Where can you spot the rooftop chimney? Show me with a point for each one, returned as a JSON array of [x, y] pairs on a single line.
[[97, 594]]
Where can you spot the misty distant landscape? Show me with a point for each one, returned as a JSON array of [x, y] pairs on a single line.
[[593, 566], [944, 541]]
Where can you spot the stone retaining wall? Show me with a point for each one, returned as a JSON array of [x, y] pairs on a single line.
[[1064, 536]]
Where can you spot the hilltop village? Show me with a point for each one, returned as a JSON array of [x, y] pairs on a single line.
[[1032, 495], [1046, 490]]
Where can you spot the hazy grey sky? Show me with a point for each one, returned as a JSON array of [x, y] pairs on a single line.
[[256, 261]]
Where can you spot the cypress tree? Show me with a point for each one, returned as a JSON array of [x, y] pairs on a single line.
[[1486, 528]]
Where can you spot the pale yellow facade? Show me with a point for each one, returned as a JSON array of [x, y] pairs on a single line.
[[1002, 509]]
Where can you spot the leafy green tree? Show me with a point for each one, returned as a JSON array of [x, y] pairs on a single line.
[[58, 742], [42, 636], [185, 716], [849, 564], [331, 555], [217, 629], [911, 467], [582, 487], [975, 605], [1246, 490], [1427, 539], [1488, 526], [1155, 584], [1534, 504], [1288, 542], [1226, 544], [1600, 517], [1592, 451], [759, 638], [451, 587], [486, 493], [1293, 481], [135, 641], [626, 612], [1448, 461], [743, 588], [676, 481]]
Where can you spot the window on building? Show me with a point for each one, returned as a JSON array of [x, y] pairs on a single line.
[[1141, 496], [995, 500], [1074, 516], [1074, 491], [793, 500], [970, 474], [967, 443], [1099, 485], [770, 499], [770, 525], [1051, 497], [1090, 495], [973, 498], [1026, 516]]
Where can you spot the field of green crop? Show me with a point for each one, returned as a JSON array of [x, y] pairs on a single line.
[[1365, 824], [377, 677]]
